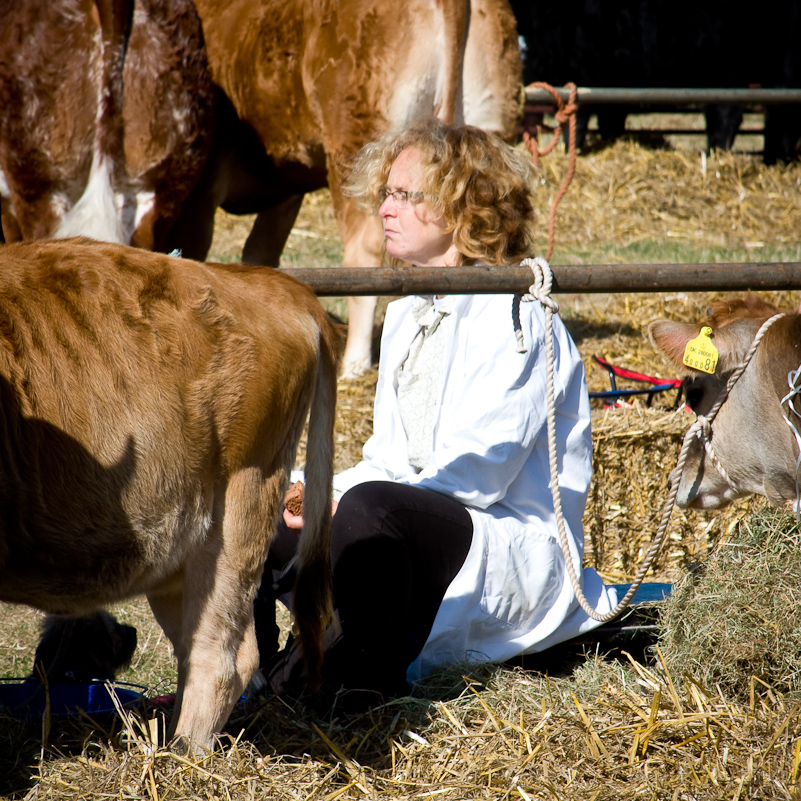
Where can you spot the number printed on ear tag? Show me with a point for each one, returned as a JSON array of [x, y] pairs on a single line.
[[700, 353]]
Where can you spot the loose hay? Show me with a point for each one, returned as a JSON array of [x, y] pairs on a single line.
[[738, 618], [628, 193], [611, 731]]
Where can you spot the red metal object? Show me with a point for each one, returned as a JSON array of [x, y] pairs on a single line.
[[614, 395]]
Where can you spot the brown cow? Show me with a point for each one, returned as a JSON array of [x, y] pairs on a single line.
[[150, 410], [750, 436], [317, 79], [106, 118]]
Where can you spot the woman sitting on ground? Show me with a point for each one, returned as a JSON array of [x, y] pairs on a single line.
[[444, 542]]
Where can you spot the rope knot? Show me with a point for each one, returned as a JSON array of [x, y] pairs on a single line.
[[540, 290], [702, 427], [565, 112], [543, 282]]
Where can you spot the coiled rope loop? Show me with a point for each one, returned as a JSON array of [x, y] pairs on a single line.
[[565, 115], [701, 428]]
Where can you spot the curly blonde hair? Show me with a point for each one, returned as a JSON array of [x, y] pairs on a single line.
[[478, 184]]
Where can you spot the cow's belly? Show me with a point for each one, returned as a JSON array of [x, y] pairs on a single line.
[[61, 568], [80, 528]]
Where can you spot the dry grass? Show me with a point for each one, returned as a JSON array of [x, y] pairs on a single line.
[[611, 730], [738, 615], [627, 194], [684, 726]]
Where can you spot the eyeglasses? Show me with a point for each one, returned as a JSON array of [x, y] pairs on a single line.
[[400, 197]]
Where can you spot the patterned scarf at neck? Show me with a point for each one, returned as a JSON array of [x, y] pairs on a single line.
[[427, 309], [420, 376]]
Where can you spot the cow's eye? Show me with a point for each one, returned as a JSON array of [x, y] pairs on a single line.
[[693, 394], [700, 392]]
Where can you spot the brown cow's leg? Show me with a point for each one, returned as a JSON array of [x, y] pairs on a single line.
[[362, 237], [9, 226], [215, 670], [167, 608], [270, 231], [358, 355], [219, 588]]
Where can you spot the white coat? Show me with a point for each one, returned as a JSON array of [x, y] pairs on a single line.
[[490, 451]]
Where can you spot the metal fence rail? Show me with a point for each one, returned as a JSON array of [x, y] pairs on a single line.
[[669, 97], [395, 281]]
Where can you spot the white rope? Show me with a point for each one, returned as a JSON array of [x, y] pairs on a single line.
[[702, 428], [793, 383], [541, 291]]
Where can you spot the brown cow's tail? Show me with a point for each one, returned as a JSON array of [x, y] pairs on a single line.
[[313, 596]]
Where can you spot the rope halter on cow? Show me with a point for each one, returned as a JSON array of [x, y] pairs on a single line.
[[701, 428], [793, 378]]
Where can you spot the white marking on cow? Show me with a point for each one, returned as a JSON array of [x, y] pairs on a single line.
[[133, 206], [181, 118], [145, 201], [73, 14], [60, 204], [95, 214]]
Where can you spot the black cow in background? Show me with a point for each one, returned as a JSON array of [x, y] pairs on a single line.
[[653, 43]]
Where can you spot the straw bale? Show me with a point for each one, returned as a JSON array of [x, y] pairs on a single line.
[[634, 450]]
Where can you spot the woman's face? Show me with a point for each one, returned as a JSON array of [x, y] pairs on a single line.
[[413, 232]]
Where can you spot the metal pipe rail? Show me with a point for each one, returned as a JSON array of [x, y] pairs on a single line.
[[610, 95], [594, 278]]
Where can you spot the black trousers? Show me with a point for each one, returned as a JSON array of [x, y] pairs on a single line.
[[395, 549]]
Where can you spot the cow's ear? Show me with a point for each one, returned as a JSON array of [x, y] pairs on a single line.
[[733, 342], [670, 338]]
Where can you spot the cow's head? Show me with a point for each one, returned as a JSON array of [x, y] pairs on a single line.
[[750, 438]]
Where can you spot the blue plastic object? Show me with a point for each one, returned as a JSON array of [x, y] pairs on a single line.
[[27, 698], [646, 593]]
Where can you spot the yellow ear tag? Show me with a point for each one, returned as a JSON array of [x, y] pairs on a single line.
[[700, 353]]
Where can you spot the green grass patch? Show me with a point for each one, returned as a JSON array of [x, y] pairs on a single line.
[[673, 251]]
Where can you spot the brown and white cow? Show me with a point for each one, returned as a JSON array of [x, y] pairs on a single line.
[[315, 80], [750, 435], [106, 118], [150, 410]]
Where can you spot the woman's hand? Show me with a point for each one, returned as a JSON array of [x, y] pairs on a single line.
[[296, 521], [293, 521]]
